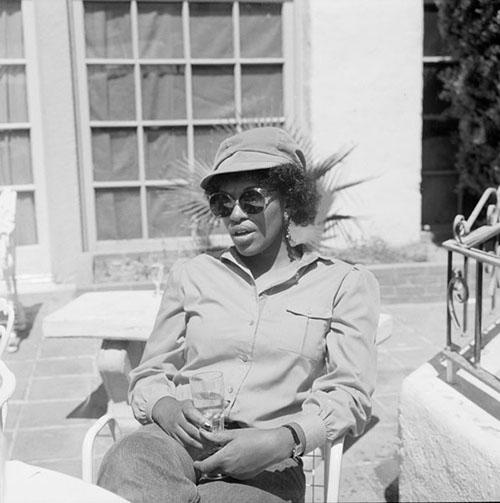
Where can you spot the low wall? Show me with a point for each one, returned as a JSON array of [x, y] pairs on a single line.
[[399, 283], [450, 436]]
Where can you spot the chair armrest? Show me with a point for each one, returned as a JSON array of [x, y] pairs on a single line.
[[89, 441], [332, 455]]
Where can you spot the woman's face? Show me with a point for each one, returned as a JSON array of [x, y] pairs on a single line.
[[253, 234]]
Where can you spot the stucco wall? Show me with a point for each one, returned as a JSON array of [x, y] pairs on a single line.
[[58, 126], [365, 87], [450, 445]]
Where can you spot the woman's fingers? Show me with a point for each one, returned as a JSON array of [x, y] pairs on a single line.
[[187, 439], [194, 415], [190, 428]]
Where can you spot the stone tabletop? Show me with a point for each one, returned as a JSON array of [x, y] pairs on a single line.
[[119, 315]]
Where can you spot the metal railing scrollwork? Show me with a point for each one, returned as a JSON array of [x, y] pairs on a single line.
[[482, 245]]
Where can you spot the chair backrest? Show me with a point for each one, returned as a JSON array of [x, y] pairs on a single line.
[[8, 198], [8, 313]]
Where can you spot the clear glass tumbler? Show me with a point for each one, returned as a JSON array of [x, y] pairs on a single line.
[[207, 391]]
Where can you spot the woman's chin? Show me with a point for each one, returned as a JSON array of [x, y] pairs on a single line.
[[245, 245]]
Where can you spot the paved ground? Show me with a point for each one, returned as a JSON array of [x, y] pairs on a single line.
[[50, 411]]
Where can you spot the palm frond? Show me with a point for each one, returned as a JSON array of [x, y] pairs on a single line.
[[354, 183], [320, 168]]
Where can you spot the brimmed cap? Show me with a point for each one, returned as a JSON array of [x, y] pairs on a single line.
[[254, 149]]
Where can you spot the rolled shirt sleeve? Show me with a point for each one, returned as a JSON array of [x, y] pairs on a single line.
[[340, 400], [164, 351]]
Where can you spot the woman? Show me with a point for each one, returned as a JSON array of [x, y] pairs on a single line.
[[293, 333]]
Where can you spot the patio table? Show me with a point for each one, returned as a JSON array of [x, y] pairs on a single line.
[[123, 320], [26, 483]]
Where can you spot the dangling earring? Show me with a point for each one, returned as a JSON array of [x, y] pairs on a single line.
[[286, 224], [288, 238]]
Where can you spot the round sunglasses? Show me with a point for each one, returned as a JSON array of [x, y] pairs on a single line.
[[252, 201]]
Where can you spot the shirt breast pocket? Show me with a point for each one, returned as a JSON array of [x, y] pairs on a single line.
[[308, 328]]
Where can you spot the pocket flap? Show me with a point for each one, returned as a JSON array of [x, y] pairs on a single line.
[[314, 312]]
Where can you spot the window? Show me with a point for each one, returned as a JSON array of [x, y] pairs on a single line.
[[165, 81], [16, 168], [439, 178]]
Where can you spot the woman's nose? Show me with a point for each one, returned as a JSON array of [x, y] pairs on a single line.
[[237, 214]]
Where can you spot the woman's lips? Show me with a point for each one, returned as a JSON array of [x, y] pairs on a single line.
[[242, 236], [241, 231]]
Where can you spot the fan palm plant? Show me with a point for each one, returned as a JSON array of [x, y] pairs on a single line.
[[331, 180]]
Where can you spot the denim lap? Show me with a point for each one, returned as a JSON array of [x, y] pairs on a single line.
[[148, 466]]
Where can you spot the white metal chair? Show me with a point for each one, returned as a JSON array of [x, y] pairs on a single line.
[[8, 199], [7, 387], [8, 313], [322, 467]]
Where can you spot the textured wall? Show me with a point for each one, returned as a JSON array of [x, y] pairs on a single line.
[[366, 85], [58, 126], [450, 446]]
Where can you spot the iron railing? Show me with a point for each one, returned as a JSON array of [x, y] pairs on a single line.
[[481, 245]]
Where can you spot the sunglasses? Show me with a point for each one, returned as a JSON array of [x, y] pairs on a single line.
[[252, 201]]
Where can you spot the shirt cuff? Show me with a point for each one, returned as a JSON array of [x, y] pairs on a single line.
[[314, 430]]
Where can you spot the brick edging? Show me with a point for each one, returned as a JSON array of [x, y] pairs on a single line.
[[411, 281], [399, 282]]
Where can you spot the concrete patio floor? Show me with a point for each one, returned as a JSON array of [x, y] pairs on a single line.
[[59, 395]]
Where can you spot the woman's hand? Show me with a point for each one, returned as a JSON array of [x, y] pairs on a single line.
[[180, 419], [246, 452]]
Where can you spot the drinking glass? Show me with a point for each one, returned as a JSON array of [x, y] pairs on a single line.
[[207, 391]]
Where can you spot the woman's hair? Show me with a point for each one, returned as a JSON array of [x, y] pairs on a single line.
[[296, 188]]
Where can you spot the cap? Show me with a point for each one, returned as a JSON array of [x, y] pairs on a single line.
[[253, 149]]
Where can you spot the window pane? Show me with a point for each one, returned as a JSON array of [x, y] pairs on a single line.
[[262, 90], [111, 92], [260, 30], [433, 43], [25, 231], [164, 217], [211, 29], [118, 214], [11, 29], [163, 92], [107, 30], [213, 92], [207, 140], [438, 145], [160, 30], [163, 147], [114, 154], [13, 105], [433, 86], [15, 158]]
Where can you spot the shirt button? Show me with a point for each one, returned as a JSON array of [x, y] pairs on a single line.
[[251, 323], [230, 389], [244, 358]]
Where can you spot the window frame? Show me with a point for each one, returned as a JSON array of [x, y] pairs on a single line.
[[32, 259], [292, 107]]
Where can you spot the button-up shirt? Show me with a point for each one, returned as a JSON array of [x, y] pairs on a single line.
[[296, 347]]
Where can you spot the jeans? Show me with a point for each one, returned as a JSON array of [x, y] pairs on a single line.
[[149, 466]]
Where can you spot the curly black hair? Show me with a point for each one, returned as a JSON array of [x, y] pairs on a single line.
[[296, 188]]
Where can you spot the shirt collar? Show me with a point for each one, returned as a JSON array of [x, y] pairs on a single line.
[[309, 256]]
